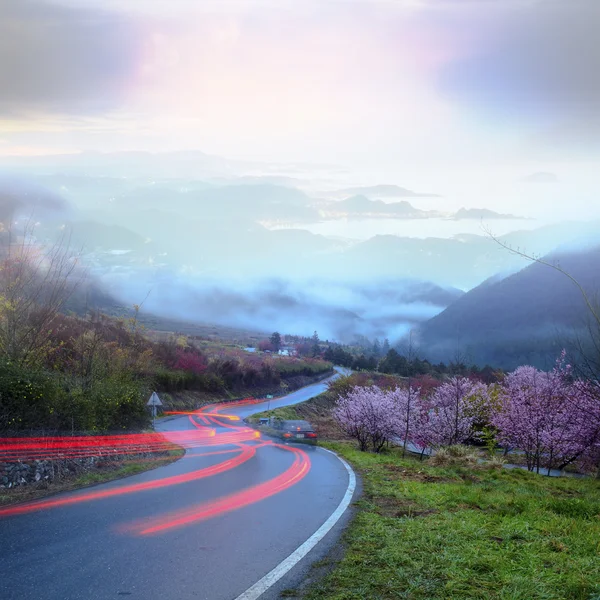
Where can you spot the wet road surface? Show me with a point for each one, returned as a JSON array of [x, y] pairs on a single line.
[[200, 530]]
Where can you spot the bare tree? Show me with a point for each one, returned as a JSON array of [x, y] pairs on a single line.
[[589, 301], [35, 282], [411, 356]]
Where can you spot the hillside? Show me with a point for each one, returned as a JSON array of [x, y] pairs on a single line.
[[481, 213], [252, 201], [360, 205], [462, 261], [525, 317], [383, 191]]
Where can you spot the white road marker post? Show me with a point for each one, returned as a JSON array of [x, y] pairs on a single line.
[[154, 402]]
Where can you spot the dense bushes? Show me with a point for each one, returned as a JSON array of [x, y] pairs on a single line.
[[37, 399], [291, 367], [167, 380], [28, 394], [119, 403], [97, 374]]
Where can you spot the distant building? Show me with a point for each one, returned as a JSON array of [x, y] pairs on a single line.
[[287, 351]]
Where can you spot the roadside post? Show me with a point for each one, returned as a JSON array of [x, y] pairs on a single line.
[[154, 402]]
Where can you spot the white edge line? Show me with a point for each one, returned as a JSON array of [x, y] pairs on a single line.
[[262, 585]]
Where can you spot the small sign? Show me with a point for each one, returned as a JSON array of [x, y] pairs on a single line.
[[269, 396], [154, 400]]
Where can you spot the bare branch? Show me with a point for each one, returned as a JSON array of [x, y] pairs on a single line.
[[536, 259], [35, 282]]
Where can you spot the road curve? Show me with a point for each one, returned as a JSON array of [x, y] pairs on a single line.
[[208, 526]]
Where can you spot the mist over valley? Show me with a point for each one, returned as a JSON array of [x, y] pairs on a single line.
[[202, 239]]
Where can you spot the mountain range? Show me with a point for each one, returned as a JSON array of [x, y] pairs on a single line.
[[361, 206], [380, 191], [201, 245], [481, 213], [526, 317]]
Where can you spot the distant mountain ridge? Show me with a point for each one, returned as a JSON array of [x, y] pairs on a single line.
[[254, 202], [381, 191], [524, 317], [481, 213], [361, 206]]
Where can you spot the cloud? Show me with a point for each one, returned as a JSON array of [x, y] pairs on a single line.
[[534, 64], [266, 78], [336, 309], [57, 59], [21, 198], [541, 177]]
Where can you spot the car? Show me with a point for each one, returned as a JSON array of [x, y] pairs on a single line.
[[296, 430]]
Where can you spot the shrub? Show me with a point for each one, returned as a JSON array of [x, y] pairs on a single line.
[[456, 455], [30, 398], [495, 462], [265, 345], [190, 360], [119, 403]]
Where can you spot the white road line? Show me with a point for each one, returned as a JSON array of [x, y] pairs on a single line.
[[262, 585]]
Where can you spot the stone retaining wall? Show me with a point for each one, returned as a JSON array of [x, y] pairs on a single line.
[[13, 474]]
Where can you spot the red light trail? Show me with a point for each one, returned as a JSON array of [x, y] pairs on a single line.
[[288, 478], [211, 427]]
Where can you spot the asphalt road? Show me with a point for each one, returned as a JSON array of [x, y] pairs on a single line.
[[209, 537]]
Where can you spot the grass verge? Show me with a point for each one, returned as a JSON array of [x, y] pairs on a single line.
[[424, 532], [108, 471]]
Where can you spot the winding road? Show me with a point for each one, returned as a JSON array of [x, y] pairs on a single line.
[[238, 517]]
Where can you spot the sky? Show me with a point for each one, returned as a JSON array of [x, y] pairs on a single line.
[[456, 94]]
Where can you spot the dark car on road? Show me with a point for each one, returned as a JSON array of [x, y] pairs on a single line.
[[296, 430]]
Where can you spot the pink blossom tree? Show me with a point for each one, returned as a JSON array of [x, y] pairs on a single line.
[[552, 418], [588, 398], [369, 415], [449, 415], [409, 407]]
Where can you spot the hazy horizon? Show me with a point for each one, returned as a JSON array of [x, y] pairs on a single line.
[[453, 95], [213, 148]]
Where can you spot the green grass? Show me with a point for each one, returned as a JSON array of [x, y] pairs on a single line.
[[287, 367], [285, 413], [428, 533]]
